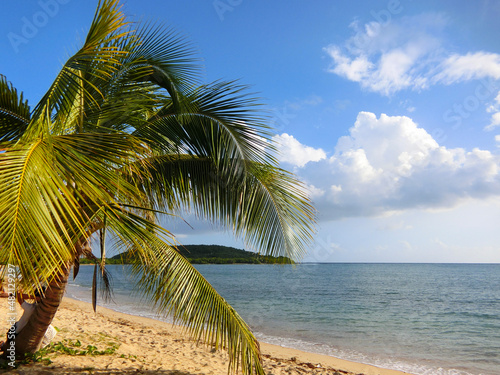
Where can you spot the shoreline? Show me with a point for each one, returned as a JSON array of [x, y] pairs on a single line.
[[150, 346]]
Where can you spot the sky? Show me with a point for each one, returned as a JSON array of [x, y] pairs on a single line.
[[389, 111]]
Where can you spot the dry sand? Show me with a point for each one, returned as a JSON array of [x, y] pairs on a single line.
[[148, 346]]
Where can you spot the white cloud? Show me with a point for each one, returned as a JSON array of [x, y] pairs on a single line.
[[392, 72], [293, 152], [315, 192], [389, 164], [477, 65], [406, 54], [495, 121], [495, 117], [355, 69]]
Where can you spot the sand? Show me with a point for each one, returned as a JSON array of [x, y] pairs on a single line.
[[148, 346]]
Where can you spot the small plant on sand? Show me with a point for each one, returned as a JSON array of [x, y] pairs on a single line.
[[68, 347], [74, 347]]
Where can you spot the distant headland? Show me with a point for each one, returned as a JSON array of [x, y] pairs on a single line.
[[209, 254]]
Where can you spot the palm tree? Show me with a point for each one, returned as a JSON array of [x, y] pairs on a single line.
[[125, 134]]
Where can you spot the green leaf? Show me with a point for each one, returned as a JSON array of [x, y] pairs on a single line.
[[14, 112]]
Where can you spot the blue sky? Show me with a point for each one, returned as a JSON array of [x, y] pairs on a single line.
[[388, 110]]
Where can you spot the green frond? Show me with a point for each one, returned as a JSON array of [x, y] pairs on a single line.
[[265, 205], [14, 111], [169, 57], [158, 67], [38, 228], [177, 289], [108, 22], [276, 214], [77, 85], [51, 190], [221, 121]]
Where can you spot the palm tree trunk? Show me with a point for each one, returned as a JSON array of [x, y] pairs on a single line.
[[30, 337]]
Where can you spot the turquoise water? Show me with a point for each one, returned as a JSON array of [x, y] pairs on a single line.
[[439, 319]]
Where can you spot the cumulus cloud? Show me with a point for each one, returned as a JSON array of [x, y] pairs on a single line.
[[293, 152], [390, 164], [406, 54]]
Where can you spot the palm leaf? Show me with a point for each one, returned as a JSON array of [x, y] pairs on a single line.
[[167, 55], [265, 205], [97, 60], [176, 288], [14, 112], [221, 120], [45, 211], [34, 223]]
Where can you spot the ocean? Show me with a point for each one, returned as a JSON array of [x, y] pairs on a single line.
[[439, 319]]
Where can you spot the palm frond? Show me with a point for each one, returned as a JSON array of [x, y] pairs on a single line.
[[159, 66], [73, 87], [265, 205], [14, 111], [221, 120], [176, 288], [276, 214], [46, 210], [168, 55], [108, 23], [101, 280], [38, 228]]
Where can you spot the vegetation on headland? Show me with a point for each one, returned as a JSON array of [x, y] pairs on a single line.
[[208, 254]]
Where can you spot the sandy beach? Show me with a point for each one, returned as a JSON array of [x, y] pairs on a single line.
[[146, 346]]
